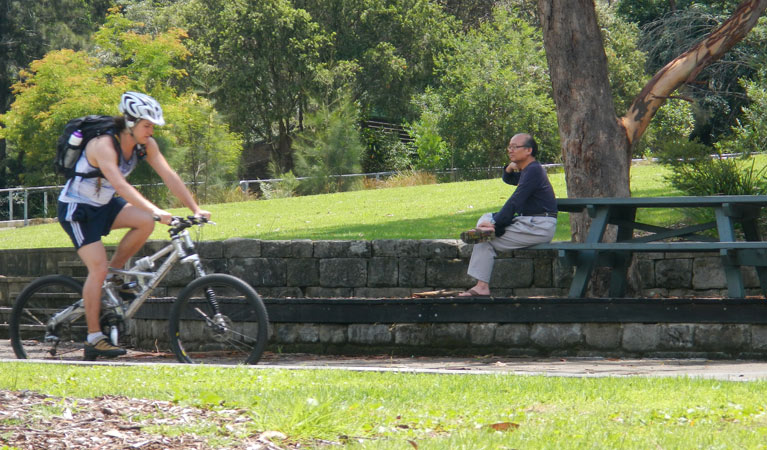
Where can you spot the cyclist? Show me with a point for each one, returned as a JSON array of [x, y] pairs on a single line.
[[90, 208]]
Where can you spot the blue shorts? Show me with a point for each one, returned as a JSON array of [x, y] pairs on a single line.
[[86, 224]]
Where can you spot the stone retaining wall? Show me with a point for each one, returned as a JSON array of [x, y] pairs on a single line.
[[677, 340], [398, 268], [282, 270]]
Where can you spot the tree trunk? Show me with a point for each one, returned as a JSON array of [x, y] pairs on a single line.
[[595, 150]]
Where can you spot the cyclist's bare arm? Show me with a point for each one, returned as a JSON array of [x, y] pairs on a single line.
[[101, 154], [171, 179]]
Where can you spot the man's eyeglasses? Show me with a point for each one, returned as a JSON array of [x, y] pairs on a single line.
[[514, 147]]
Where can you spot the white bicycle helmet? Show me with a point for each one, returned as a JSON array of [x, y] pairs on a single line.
[[136, 106]]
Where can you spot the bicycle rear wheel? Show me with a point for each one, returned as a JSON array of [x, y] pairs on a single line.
[[236, 335], [32, 310]]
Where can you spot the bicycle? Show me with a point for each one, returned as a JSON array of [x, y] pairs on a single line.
[[217, 318]]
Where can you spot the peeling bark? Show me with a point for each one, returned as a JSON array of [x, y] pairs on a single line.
[[686, 67]]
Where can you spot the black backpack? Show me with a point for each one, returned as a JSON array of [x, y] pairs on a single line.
[[68, 155]]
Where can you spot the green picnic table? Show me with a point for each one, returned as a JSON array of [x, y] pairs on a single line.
[[729, 210]]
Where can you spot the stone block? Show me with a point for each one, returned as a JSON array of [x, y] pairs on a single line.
[[439, 248], [332, 334], [260, 271], [382, 272], [759, 337], [639, 337], [303, 272], [342, 249], [444, 334], [215, 265], [299, 248], [412, 333], [396, 247], [673, 273], [464, 249], [708, 273], [180, 275], [602, 335], [242, 248], [370, 334], [448, 273], [676, 336], [646, 270], [343, 272], [209, 249], [482, 333], [512, 273], [411, 272], [514, 334], [556, 335], [543, 272], [293, 333], [722, 337]]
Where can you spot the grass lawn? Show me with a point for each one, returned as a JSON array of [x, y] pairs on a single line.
[[425, 411], [438, 211]]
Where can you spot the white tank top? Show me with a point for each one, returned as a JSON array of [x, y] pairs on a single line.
[[95, 191]]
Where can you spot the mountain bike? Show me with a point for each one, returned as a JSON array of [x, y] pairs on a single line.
[[217, 318]]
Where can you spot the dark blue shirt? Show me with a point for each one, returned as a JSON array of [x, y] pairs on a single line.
[[534, 195]]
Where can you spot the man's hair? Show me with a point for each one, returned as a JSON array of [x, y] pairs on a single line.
[[530, 142]]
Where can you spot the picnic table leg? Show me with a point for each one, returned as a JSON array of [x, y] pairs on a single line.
[[622, 261], [751, 230], [587, 260], [735, 287]]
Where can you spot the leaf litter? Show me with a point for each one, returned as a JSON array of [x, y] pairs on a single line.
[[30, 420]]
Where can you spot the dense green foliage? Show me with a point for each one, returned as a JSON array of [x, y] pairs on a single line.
[[67, 84], [461, 76]]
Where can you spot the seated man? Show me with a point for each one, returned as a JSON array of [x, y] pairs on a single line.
[[529, 216]]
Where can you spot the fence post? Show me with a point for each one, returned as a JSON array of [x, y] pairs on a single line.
[[10, 205], [26, 207]]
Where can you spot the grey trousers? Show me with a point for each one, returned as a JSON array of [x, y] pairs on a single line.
[[524, 232]]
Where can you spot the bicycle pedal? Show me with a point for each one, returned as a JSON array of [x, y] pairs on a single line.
[[49, 337]]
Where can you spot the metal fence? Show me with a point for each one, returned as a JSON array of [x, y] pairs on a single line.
[[24, 203]]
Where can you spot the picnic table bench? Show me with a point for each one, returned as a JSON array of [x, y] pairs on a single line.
[[729, 210]]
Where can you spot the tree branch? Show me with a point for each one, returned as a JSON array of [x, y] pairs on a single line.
[[688, 65]]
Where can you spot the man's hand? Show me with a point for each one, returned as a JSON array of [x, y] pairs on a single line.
[[511, 167], [486, 226]]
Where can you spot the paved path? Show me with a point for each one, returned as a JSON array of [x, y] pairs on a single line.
[[564, 367]]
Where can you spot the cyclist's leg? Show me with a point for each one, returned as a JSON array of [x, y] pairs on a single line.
[[141, 225], [94, 256]]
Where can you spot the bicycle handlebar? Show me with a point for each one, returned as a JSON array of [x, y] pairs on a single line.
[[179, 223]]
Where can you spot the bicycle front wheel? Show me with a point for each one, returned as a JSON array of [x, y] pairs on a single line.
[[218, 319], [31, 335]]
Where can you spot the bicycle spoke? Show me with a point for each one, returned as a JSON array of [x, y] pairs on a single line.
[[218, 319], [31, 313]]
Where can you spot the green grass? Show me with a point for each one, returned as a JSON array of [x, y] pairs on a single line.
[[439, 211], [391, 410]]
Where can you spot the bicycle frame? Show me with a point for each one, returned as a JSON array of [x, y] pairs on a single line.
[[181, 248]]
